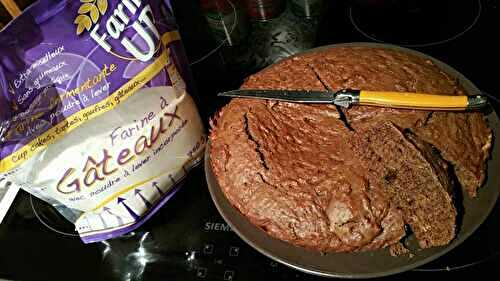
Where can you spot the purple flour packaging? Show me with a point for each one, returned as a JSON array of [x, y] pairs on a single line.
[[95, 114]]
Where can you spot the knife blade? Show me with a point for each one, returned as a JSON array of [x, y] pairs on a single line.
[[284, 95], [348, 97]]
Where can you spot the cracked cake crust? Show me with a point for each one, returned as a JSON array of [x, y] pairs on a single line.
[[294, 169]]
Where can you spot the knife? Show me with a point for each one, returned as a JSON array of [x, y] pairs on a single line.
[[348, 97]]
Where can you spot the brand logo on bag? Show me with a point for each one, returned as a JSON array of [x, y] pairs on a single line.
[[113, 28]]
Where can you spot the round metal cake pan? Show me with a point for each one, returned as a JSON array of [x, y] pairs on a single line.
[[374, 263]]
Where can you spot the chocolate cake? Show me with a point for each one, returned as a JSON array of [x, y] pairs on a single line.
[[303, 175], [468, 138], [414, 176]]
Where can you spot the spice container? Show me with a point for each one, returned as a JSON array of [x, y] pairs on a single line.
[[306, 8], [226, 19], [262, 10]]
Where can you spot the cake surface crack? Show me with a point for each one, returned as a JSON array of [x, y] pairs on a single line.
[[342, 115], [257, 145]]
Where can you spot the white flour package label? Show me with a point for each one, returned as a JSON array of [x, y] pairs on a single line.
[[95, 112]]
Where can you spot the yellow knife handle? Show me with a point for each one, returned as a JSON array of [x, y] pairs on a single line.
[[415, 100]]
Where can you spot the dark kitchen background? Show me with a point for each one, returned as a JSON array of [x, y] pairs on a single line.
[[226, 41]]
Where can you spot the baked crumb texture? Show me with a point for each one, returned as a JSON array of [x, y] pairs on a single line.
[[297, 171]]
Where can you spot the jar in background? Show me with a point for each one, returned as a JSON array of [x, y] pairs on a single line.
[[227, 20], [262, 10], [306, 8]]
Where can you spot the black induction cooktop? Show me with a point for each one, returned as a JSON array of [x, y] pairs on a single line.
[[187, 239]]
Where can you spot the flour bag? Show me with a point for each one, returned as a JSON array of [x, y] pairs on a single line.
[[95, 114]]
